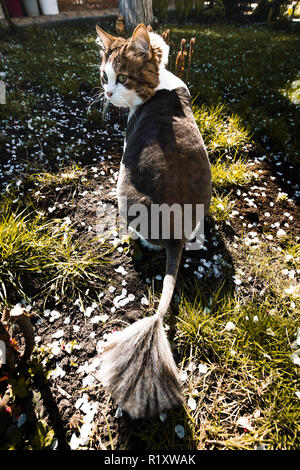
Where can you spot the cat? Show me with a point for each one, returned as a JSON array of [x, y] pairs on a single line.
[[164, 162]]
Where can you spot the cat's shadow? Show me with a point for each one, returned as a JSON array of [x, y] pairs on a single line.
[[155, 434]]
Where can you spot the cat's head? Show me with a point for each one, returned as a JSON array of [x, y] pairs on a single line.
[[130, 68]]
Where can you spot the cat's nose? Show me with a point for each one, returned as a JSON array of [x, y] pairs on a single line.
[[109, 94]]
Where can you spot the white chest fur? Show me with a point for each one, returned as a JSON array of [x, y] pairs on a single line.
[[169, 81]]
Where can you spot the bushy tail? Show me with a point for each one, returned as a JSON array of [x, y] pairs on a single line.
[[137, 365]]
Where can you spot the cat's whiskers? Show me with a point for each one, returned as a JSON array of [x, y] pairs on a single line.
[[104, 105], [98, 93], [98, 88], [96, 98]]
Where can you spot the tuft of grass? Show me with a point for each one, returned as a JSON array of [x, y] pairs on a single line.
[[72, 175], [227, 174], [33, 248], [73, 265], [221, 207], [292, 92], [24, 245], [221, 131]]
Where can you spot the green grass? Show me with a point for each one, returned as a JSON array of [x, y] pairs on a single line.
[[226, 175], [292, 92], [33, 247], [70, 179], [250, 374], [238, 67], [221, 207], [221, 131], [231, 79]]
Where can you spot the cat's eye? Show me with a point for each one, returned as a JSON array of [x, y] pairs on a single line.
[[104, 77], [122, 78]]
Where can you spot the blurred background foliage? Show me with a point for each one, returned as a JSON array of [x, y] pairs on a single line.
[[268, 11]]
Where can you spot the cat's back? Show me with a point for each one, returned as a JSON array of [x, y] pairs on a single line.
[[165, 158], [167, 121]]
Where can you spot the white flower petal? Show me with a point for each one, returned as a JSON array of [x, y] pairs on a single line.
[[244, 422], [203, 368], [59, 334], [229, 326], [88, 381], [16, 311], [74, 442], [192, 403], [121, 270], [144, 301], [183, 376], [85, 430], [179, 429], [295, 359]]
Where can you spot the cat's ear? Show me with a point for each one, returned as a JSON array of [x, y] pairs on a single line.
[[141, 39], [105, 39]]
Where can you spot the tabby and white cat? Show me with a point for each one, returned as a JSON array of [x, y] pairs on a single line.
[[164, 162]]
